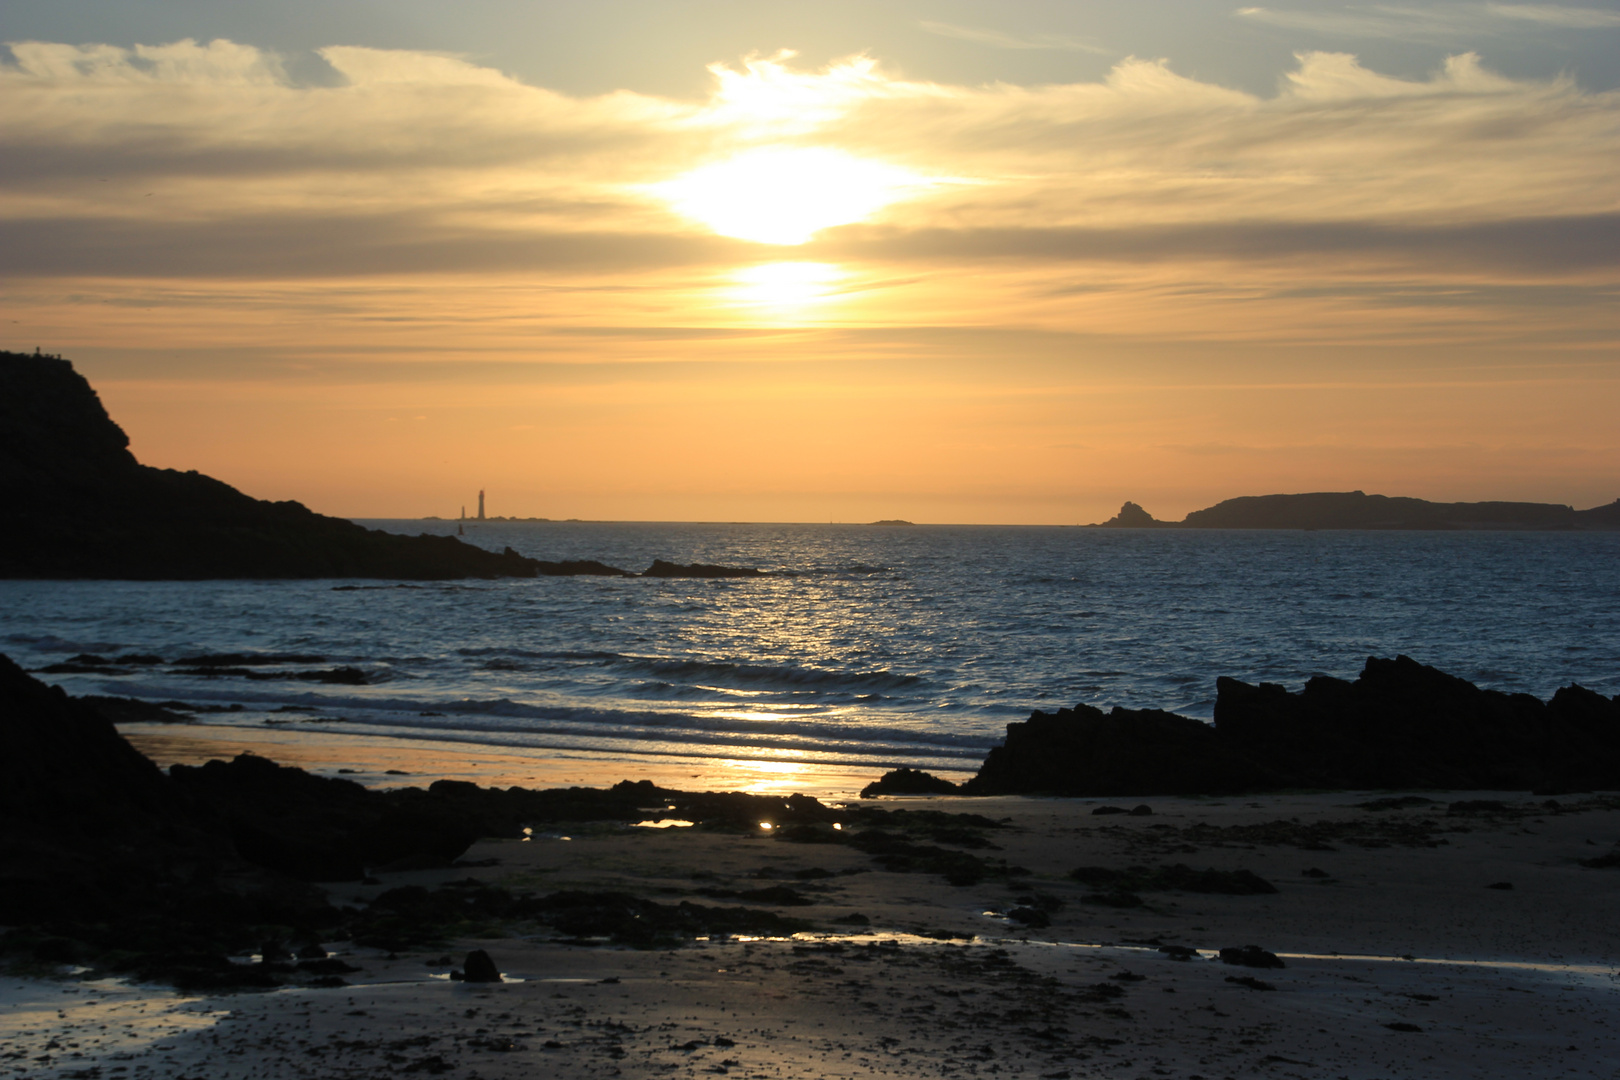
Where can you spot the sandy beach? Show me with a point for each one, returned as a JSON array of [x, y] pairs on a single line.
[[1401, 958]]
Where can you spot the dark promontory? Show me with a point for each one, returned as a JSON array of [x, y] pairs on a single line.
[[78, 505]]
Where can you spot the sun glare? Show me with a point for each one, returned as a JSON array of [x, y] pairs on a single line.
[[785, 285], [785, 195]]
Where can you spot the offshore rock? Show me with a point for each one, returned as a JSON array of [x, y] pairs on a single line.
[[662, 569], [1132, 516]]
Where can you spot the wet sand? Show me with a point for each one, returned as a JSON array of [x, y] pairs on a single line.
[[1519, 982]]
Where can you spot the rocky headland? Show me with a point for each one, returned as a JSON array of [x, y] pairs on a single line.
[[79, 505]]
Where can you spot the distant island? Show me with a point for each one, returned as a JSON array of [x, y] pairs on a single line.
[[893, 521], [1358, 510]]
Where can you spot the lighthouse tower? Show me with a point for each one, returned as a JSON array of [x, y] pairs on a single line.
[[480, 505]]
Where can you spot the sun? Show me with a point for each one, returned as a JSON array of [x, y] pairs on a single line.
[[785, 195]]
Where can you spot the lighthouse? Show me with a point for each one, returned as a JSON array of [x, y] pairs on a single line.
[[480, 505]]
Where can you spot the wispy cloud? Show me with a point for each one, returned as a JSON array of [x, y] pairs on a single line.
[[1577, 18], [1000, 39], [1444, 22]]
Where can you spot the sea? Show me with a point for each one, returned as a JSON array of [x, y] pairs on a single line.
[[867, 646]]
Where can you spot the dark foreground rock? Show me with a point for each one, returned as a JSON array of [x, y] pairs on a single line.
[[108, 862], [1401, 724]]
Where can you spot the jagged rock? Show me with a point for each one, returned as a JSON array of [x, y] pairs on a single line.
[[1401, 724], [1132, 516], [1084, 751]]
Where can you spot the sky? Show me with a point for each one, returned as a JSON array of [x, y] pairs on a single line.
[[943, 261]]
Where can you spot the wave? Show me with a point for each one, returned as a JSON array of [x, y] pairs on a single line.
[[502, 715], [770, 674], [671, 670], [538, 654]]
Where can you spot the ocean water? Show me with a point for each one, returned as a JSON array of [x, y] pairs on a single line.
[[871, 646]]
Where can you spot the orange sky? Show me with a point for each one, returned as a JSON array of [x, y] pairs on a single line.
[[821, 292]]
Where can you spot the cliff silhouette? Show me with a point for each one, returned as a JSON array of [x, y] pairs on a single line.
[[1358, 510], [79, 505]]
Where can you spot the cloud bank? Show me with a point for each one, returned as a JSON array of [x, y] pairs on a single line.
[[209, 158]]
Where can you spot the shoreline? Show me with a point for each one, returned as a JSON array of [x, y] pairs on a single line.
[[944, 981], [419, 762]]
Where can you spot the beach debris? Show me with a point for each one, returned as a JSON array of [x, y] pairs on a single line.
[[1251, 956], [1401, 1025], [1250, 981], [1503, 885]]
